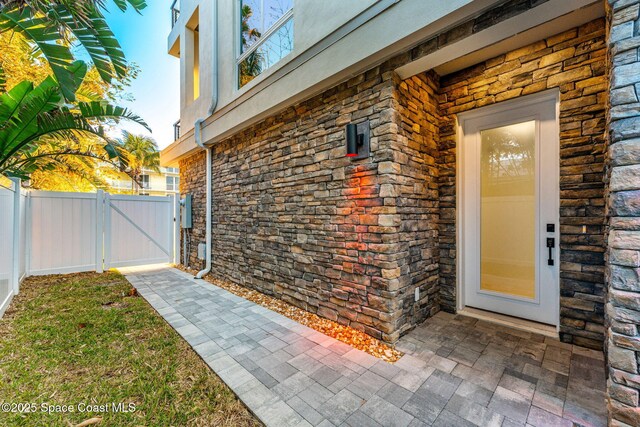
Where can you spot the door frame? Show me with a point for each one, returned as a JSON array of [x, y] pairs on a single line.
[[519, 102]]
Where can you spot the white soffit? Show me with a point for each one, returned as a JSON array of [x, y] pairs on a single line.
[[550, 18]]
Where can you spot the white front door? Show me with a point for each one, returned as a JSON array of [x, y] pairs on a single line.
[[509, 208]]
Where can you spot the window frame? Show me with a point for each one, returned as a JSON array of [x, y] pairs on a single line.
[[175, 183], [241, 56], [142, 183]]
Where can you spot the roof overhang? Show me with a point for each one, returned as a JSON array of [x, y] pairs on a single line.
[[548, 19]]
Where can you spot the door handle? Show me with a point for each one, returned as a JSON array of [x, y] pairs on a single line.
[[551, 243]]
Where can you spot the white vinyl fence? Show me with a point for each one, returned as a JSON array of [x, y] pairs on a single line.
[[139, 230], [13, 221], [45, 232], [6, 245], [62, 232]]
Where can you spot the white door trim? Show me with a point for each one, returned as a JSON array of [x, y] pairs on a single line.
[[461, 118]]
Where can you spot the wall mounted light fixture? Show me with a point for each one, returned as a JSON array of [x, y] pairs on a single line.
[[358, 140]]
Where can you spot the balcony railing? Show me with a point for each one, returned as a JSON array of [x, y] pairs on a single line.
[[176, 130], [175, 12]]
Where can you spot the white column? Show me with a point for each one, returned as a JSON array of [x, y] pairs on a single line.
[[17, 253], [99, 231], [106, 221], [27, 232]]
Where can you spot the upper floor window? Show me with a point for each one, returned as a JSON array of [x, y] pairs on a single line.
[[191, 88], [144, 181], [173, 183], [196, 64], [266, 36]]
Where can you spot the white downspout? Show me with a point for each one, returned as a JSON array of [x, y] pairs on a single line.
[[207, 256], [198, 138]]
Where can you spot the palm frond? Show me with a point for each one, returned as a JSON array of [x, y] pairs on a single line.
[[23, 124], [11, 101], [98, 40], [3, 80], [89, 95], [45, 22], [38, 29], [80, 163], [61, 126], [80, 8], [137, 5], [102, 111], [138, 152]]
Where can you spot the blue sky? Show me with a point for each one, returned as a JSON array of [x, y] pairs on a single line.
[[157, 88]]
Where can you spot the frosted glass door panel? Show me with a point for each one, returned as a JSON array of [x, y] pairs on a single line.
[[508, 209]]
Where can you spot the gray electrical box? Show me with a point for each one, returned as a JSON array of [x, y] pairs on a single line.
[[185, 211], [202, 251]]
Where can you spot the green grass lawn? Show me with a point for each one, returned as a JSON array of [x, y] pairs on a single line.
[[84, 339]]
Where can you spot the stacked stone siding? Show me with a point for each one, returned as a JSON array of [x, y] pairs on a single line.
[[193, 181], [623, 255], [349, 240], [352, 240], [574, 62], [414, 152]]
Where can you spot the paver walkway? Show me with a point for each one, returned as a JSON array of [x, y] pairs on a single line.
[[457, 371]]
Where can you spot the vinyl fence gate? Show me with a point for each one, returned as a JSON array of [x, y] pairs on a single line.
[[74, 232], [46, 232], [139, 230]]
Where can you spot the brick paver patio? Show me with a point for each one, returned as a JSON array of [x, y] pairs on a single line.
[[457, 371]]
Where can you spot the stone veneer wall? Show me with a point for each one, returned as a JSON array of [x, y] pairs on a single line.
[[349, 240], [193, 180], [574, 62], [623, 254], [352, 240], [415, 152]]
